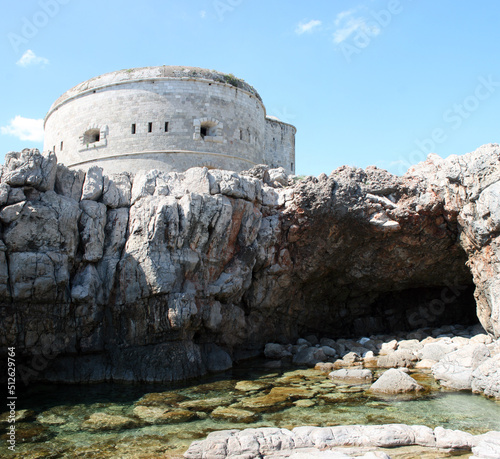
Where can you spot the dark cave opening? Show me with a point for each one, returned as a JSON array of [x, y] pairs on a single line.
[[349, 312], [414, 308]]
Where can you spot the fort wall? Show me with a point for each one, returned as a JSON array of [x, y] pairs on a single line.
[[155, 118]]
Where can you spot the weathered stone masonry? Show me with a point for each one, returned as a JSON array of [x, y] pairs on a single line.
[[166, 118]]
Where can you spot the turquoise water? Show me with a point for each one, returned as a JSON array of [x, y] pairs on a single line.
[[115, 420]]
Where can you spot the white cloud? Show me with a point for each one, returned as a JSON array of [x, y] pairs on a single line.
[[30, 58], [348, 24], [342, 15], [203, 14], [308, 27], [24, 129]]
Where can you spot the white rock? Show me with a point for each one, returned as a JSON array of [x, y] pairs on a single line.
[[394, 381], [92, 223], [453, 439], [93, 184], [117, 190], [486, 377], [30, 168], [487, 447], [454, 371], [436, 351], [69, 183]]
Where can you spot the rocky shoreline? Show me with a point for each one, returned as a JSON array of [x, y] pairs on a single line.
[[460, 358], [158, 277], [353, 370], [102, 277], [326, 442]]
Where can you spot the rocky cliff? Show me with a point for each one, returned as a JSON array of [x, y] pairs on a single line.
[[157, 276]]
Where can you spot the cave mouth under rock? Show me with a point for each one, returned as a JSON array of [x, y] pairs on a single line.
[[411, 309], [396, 311]]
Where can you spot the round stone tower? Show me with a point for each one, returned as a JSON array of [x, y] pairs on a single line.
[[168, 118]]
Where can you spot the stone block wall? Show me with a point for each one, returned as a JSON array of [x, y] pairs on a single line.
[[170, 124], [280, 145]]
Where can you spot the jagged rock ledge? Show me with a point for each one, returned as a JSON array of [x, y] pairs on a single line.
[[157, 277], [325, 442]]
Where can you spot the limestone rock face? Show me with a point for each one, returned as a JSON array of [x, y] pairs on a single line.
[[29, 168], [157, 276]]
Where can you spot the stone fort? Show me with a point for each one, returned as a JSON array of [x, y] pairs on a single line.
[[169, 118]]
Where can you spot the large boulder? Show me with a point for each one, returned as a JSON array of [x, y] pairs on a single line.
[[30, 168], [436, 351], [395, 381], [487, 446], [454, 370], [486, 377], [398, 358], [277, 351], [309, 356]]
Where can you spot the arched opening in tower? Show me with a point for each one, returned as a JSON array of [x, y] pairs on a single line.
[[92, 136]]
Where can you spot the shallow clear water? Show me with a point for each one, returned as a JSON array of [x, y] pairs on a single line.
[[59, 426]]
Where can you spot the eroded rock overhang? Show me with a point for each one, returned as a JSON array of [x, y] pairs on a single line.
[[165, 276]]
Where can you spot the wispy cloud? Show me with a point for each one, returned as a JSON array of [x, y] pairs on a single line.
[[24, 129], [344, 14], [203, 14], [348, 23], [29, 58], [307, 27]]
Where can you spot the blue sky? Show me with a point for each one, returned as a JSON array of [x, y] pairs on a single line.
[[380, 82]]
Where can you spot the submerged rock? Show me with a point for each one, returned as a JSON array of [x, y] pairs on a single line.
[[206, 404], [170, 399], [250, 386], [29, 432], [50, 419], [20, 415], [161, 415], [234, 415], [352, 375], [104, 421], [266, 403]]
